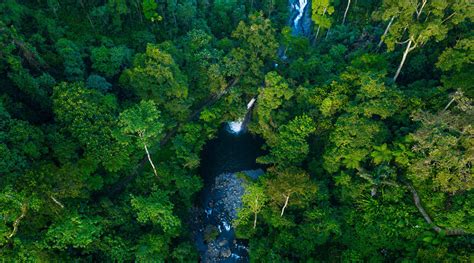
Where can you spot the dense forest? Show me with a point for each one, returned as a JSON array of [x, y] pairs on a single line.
[[366, 122]]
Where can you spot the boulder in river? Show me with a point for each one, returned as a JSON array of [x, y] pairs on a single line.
[[223, 242], [226, 253]]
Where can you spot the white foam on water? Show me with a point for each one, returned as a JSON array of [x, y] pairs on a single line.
[[300, 9], [208, 211], [235, 126], [251, 102], [226, 225]]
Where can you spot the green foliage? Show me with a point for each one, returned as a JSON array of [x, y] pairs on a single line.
[[149, 10], [109, 61], [270, 98], [457, 63], [321, 13], [155, 76], [14, 206], [351, 144], [141, 122], [381, 154], [290, 146], [88, 87], [158, 210], [20, 143], [89, 117], [72, 59], [152, 246], [443, 142], [253, 201], [290, 183], [99, 83], [256, 46], [75, 231]]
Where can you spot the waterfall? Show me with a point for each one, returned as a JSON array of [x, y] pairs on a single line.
[[300, 8], [237, 127], [300, 17], [300, 21]]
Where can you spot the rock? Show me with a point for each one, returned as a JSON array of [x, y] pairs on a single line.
[[210, 233], [226, 253], [223, 242]]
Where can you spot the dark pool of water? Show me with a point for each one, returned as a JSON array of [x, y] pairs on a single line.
[[229, 153]]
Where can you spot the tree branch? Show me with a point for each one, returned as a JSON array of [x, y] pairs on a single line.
[[437, 229], [24, 209], [56, 201]]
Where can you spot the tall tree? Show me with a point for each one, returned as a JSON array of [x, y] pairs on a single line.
[[444, 147], [289, 182], [90, 117], [321, 14], [142, 122], [417, 22], [257, 46], [253, 201], [345, 12], [156, 76]]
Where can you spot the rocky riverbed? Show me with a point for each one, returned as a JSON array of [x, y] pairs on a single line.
[[215, 234]]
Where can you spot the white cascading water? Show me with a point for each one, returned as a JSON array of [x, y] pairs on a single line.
[[236, 126], [300, 9]]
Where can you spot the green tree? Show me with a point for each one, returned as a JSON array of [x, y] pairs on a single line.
[[457, 65], [257, 46], [109, 61], [158, 210], [149, 10], [97, 82], [90, 117], [74, 231], [143, 123], [14, 207], [321, 12], [253, 201], [156, 76], [271, 97], [73, 64], [290, 146], [444, 148], [289, 182], [420, 21]]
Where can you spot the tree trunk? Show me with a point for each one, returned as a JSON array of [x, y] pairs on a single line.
[[56, 201], [327, 34], [255, 214], [345, 13], [24, 209], [319, 27], [437, 229], [286, 204], [317, 33], [418, 13], [149, 159], [385, 32], [255, 221], [449, 104], [407, 50]]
